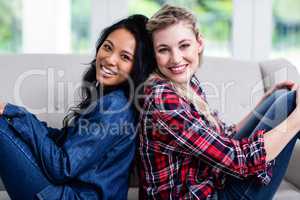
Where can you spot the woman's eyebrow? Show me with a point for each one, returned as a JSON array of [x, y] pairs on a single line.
[[181, 41], [124, 50], [110, 42], [128, 52], [184, 40], [161, 45]]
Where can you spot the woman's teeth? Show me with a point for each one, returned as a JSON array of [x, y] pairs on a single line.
[[108, 71], [178, 69]]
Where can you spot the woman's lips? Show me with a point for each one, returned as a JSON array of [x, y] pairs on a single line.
[[107, 72], [178, 69]]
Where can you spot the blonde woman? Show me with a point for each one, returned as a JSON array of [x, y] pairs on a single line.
[[186, 151]]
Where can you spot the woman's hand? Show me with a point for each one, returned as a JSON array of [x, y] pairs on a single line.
[[295, 115], [290, 85], [2, 106], [297, 109]]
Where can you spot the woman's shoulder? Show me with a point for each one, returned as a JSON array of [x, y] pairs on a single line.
[[114, 100], [110, 104], [157, 85], [117, 95], [161, 93]]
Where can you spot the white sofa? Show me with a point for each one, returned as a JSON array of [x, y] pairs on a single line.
[[46, 85]]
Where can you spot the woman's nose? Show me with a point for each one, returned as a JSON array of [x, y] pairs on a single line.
[[112, 59], [176, 57]]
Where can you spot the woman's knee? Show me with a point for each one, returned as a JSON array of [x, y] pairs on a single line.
[[286, 102], [274, 96], [11, 147], [7, 134], [7, 141], [278, 93], [287, 97]]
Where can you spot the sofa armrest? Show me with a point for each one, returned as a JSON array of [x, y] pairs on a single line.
[[277, 70], [293, 175], [1, 185]]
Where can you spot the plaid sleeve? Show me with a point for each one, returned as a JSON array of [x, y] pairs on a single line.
[[227, 129], [191, 135]]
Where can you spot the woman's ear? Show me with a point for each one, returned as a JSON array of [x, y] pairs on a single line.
[[200, 42]]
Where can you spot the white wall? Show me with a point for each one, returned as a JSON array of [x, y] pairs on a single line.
[[47, 29], [252, 29], [104, 13], [46, 26]]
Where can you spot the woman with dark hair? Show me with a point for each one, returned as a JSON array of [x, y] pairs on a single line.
[[90, 157]]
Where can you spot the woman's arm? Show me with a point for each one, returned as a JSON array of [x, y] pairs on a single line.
[[192, 136], [277, 138], [53, 132], [185, 131], [91, 140]]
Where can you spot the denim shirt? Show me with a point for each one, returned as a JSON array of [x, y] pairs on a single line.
[[94, 161]]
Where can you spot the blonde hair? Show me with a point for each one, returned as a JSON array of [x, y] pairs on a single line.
[[167, 16]]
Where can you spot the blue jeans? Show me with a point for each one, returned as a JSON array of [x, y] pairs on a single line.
[[19, 170], [270, 113]]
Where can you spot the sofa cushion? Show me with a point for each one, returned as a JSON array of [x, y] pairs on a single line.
[[287, 191], [4, 195]]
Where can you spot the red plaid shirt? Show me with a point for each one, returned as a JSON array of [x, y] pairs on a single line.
[[183, 156]]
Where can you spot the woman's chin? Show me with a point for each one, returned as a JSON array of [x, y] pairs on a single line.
[[108, 82], [180, 78]]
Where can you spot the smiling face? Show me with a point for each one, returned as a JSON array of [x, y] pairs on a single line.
[[177, 51], [115, 58]]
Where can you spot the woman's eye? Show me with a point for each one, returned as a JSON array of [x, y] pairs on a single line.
[[106, 47], [184, 46], [125, 58], [162, 50]]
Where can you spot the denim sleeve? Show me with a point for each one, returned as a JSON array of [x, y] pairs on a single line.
[[85, 146], [52, 132], [12, 111]]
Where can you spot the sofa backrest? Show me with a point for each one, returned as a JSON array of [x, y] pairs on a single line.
[[232, 87], [44, 84], [48, 84]]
